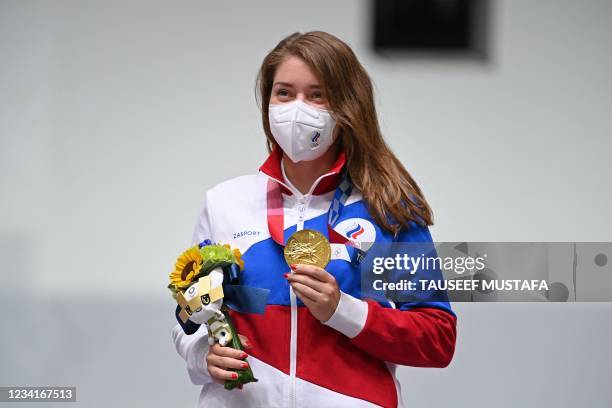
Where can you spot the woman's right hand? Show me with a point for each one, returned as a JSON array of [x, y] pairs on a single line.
[[220, 358]]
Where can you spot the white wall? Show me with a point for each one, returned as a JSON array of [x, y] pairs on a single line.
[[116, 116]]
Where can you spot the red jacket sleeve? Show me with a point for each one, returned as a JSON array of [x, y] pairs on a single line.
[[420, 332], [420, 337]]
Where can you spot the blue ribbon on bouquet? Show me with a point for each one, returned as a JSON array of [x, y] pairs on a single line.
[[243, 299]]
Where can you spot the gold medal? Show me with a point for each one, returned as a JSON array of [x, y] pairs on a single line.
[[308, 247]]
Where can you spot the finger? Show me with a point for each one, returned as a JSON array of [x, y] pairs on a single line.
[[245, 341], [308, 302], [309, 281], [220, 350], [221, 374], [305, 291], [227, 362], [314, 271]]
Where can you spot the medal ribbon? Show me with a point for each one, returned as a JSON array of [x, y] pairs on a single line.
[[276, 215]]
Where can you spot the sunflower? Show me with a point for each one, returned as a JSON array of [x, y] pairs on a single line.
[[187, 266], [238, 257]]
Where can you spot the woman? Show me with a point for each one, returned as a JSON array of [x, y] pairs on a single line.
[[319, 343]]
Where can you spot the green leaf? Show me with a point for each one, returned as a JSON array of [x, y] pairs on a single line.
[[245, 376]]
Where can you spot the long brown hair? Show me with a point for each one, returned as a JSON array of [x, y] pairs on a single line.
[[391, 195]]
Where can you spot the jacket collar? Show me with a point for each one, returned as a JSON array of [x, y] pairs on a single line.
[[324, 184]]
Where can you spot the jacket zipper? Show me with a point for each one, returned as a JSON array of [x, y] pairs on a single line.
[[302, 204], [292, 348]]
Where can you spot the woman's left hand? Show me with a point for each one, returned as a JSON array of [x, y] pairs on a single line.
[[317, 288]]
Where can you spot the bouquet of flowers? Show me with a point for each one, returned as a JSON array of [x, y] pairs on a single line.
[[204, 275]]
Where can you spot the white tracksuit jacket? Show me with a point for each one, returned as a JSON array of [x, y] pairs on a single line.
[[348, 361]]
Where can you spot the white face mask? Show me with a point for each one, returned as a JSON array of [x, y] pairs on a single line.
[[302, 131]]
